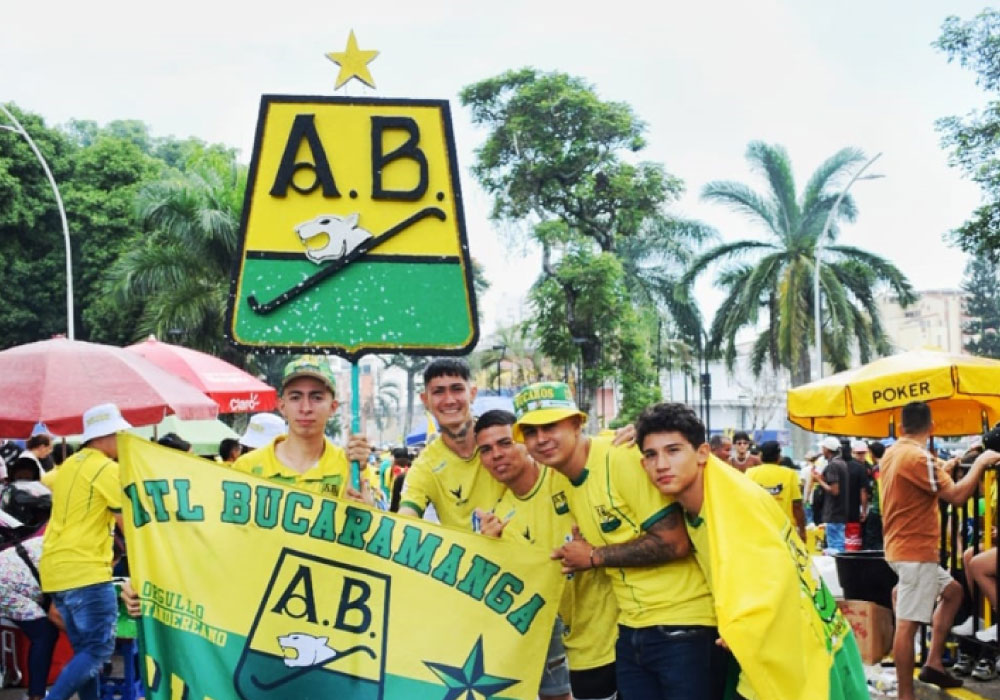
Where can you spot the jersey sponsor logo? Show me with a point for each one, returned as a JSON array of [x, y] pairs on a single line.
[[457, 493], [775, 490]]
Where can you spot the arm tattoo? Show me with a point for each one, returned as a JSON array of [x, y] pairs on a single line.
[[649, 549]]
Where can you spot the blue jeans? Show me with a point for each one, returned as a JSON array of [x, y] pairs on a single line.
[[43, 636], [835, 536], [670, 663], [90, 614]]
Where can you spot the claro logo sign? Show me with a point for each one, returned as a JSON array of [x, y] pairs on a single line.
[[246, 405]]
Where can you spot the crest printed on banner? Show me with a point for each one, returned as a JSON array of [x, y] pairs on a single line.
[[321, 628]]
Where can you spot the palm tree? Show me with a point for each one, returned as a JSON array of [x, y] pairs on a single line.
[[654, 263], [382, 405], [521, 361], [770, 280], [414, 366], [181, 269]]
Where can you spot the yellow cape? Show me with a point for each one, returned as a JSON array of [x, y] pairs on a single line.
[[779, 620]]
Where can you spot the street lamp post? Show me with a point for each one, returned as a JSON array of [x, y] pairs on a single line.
[[18, 129], [503, 351], [818, 370]]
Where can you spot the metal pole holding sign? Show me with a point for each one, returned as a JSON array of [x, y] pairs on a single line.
[[355, 421]]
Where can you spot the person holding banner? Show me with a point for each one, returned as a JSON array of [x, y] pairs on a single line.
[[533, 509], [666, 624], [305, 457], [784, 628], [75, 566]]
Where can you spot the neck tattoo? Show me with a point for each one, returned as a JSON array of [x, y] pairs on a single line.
[[459, 434]]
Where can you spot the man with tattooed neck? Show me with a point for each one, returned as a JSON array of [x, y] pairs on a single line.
[[448, 473], [666, 623]]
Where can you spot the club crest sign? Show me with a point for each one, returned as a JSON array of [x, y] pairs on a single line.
[[353, 237]]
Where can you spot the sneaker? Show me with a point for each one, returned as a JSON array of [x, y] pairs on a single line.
[[964, 665], [942, 679], [987, 635], [985, 670], [964, 629]]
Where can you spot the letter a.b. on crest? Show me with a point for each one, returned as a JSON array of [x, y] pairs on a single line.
[[353, 236]]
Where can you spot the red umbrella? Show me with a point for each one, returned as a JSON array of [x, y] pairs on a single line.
[[233, 389], [55, 381]]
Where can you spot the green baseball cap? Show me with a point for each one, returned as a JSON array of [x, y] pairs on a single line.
[[309, 366], [543, 403]]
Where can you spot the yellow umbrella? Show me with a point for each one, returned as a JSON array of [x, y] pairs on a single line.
[[963, 392]]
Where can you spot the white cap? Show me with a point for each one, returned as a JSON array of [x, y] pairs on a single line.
[[262, 429], [102, 420], [859, 446], [830, 443]]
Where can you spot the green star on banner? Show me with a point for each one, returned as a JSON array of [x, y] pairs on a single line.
[[470, 678]]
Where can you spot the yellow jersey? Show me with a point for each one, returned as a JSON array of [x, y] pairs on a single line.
[[86, 493], [781, 482], [588, 607], [614, 502], [328, 477], [454, 485]]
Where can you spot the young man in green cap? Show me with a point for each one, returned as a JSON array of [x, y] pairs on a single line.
[[666, 625], [305, 458]]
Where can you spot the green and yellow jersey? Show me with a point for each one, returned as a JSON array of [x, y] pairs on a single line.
[[454, 485], [614, 502], [588, 608], [328, 477]]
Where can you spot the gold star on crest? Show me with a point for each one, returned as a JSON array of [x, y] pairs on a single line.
[[353, 63]]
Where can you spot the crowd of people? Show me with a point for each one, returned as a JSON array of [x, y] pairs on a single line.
[[635, 520]]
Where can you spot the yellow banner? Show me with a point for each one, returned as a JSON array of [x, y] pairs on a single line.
[[254, 590]]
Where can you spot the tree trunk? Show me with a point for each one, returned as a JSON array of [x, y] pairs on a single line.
[[590, 352], [802, 439]]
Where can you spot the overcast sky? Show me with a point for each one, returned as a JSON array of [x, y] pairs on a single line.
[[707, 77]]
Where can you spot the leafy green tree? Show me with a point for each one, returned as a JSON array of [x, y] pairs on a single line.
[[561, 159], [981, 285], [769, 281], [32, 248], [180, 270], [972, 139], [107, 175], [584, 298]]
